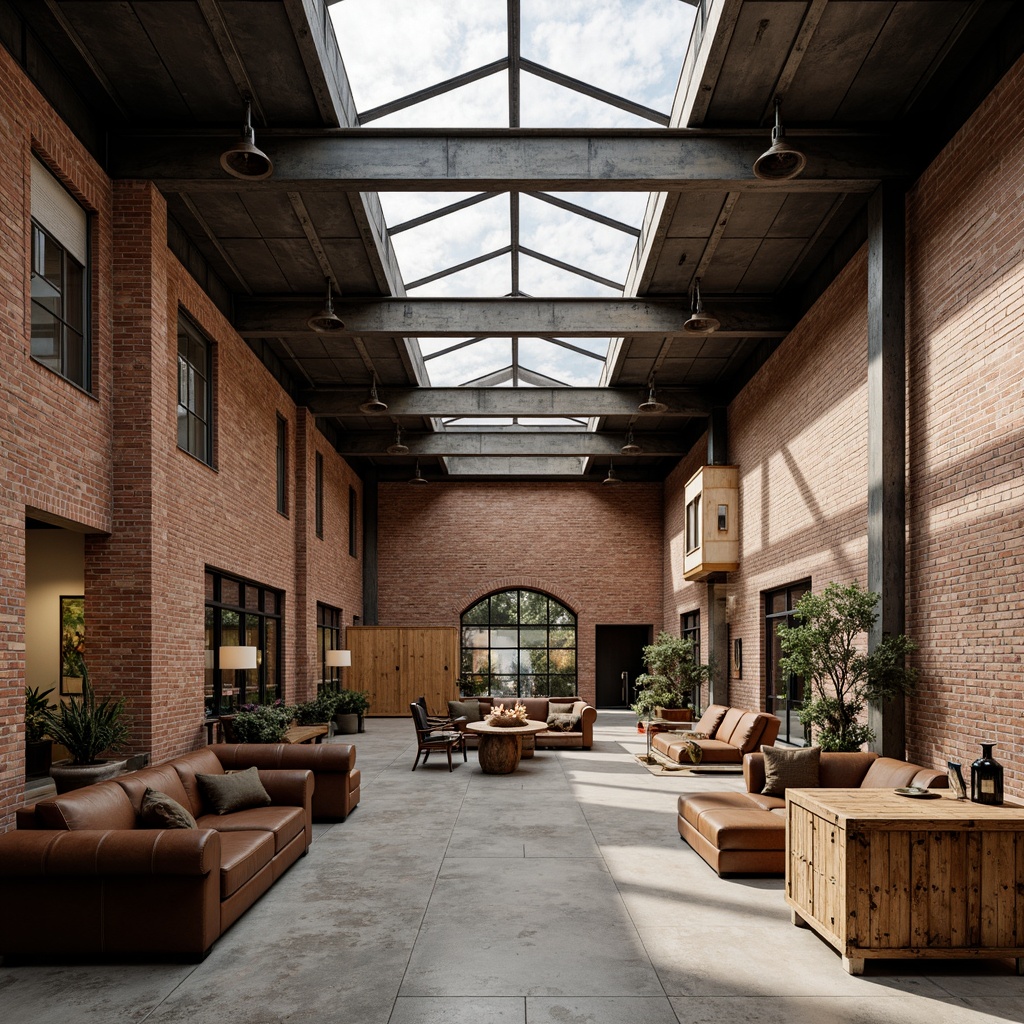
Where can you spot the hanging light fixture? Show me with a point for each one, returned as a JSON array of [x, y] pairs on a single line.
[[652, 404], [243, 159], [398, 448], [326, 320], [418, 477], [780, 161], [373, 404], [699, 321], [611, 478], [630, 447]]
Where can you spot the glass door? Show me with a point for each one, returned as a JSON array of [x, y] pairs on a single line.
[[784, 691]]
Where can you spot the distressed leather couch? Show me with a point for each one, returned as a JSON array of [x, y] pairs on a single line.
[[745, 833], [80, 876], [337, 780], [537, 710], [731, 732]]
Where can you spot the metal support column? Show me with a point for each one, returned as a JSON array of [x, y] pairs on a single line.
[[370, 549], [887, 440], [717, 627]]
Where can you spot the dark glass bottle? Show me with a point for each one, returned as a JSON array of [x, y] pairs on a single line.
[[987, 778]]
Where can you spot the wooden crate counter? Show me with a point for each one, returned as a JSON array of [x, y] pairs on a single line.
[[882, 875]]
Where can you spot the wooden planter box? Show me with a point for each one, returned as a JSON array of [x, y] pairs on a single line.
[[674, 714]]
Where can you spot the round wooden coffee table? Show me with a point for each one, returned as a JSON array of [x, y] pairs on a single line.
[[501, 747]]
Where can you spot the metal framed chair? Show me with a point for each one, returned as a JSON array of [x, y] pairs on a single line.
[[429, 739]]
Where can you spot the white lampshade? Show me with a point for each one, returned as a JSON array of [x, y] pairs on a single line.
[[238, 657], [338, 659]]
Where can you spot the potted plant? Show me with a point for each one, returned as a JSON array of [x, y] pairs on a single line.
[[671, 687], [261, 723], [825, 648], [38, 746], [87, 728], [349, 708]]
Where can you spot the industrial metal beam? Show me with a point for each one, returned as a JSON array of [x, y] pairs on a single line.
[[512, 442], [506, 402], [460, 160], [472, 317]]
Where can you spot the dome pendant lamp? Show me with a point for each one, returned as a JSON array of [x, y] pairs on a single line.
[[780, 161], [243, 160], [326, 320], [699, 321]]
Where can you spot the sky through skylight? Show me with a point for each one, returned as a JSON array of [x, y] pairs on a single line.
[[633, 48]]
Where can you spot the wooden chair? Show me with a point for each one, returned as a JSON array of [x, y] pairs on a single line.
[[429, 739], [438, 722]]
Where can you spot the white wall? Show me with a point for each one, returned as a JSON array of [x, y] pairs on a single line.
[[54, 567]]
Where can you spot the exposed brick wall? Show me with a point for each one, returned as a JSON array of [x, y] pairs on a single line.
[[595, 548], [965, 303]]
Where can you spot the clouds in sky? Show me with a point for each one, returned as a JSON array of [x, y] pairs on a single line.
[[392, 48]]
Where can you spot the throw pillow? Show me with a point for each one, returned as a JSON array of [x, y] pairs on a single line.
[[159, 810], [794, 769], [468, 709], [560, 723], [236, 792]]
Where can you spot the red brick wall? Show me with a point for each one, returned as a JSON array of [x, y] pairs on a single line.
[[595, 548], [965, 303]]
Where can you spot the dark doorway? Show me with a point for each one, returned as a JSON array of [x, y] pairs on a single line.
[[619, 662]]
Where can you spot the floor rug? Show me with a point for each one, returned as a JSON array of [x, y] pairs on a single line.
[[662, 766]]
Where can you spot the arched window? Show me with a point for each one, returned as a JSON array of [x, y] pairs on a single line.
[[519, 643]]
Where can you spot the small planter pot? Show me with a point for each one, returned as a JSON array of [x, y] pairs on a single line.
[[67, 776], [674, 714], [346, 724]]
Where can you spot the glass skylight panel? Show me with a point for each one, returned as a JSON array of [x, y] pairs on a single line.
[[549, 105], [561, 364], [470, 363]]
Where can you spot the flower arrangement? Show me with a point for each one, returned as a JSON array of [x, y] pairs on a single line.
[[508, 717]]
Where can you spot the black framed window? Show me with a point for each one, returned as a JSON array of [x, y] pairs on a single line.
[[784, 691], [318, 495], [693, 524], [352, 522], [59, 280], [689, 626], [241, 613], [519, 643], [328, 637], [282, 465], [195, 398]]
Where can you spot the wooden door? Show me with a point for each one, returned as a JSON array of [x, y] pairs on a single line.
[[397, 664]]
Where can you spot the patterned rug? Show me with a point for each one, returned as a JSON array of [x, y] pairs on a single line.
[[659, 765]]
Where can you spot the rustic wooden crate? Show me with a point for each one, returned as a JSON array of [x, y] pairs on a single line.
[[880, 875]]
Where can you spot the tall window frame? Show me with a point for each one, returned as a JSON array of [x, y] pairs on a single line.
[[784, 693], [241, 612], [195, 391], [318, 495], [353, 522], [59, 280], [328, 638], [519, 643], [282, 465], [689, 626]]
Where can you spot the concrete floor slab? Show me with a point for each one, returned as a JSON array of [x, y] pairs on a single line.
[[560, 894]]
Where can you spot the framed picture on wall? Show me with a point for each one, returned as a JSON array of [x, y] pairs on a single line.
[[72, 644], [737, 658]]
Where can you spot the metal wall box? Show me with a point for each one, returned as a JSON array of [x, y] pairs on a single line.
[[712, 529]]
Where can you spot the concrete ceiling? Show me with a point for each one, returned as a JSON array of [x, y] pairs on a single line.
[[870, 90]]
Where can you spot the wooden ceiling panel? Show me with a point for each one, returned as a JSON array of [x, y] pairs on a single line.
[[695, 215], [800, 216], [753, 213], [273, 214], [257, 264], [299, 266], [265, 41], [181, 37], [775, 259], [731, 261], [351, 266], [332, 214], [758, 49], [833, 60], [225, 214], [331, 372], [898, 61], [121, 48]]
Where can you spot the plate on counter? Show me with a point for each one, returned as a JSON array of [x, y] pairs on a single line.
[[916, 791]]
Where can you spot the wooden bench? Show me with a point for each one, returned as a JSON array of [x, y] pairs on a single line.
[[304, 734]]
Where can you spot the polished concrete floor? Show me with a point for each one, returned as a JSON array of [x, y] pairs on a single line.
[[560, 894]]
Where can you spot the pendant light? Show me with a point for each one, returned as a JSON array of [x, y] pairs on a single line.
[[418, 477], [652, 404], [373, 404], [611, 478], [630, 447], [326, 320], [243, 159], [780, 161], [699, 321], [398, 448]]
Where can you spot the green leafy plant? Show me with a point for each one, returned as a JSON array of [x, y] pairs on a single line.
[[262, 723], [352, 702], [36, 706], [86, 726], [674, 675], [318, 710], [824, 647]]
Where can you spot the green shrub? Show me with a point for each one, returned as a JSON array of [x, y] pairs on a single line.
[[265, 723], [318, 710], [36, 706], [86, 726], [351, 702]]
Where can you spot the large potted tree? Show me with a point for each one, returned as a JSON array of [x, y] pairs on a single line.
[[88, 728], [827, 646], [671, 686]]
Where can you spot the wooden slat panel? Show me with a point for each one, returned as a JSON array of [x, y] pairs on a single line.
[[941, 889], [920, 851], [859, 887]]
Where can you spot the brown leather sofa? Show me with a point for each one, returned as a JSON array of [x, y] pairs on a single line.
[[745, 833], [80, 876], [537, 710], [333, 765], [731, 732]]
